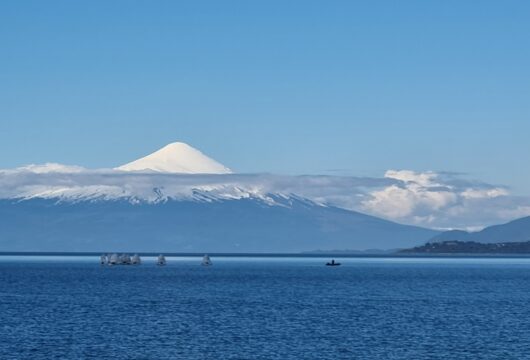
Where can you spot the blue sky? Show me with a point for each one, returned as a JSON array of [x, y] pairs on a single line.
[[298, 87]]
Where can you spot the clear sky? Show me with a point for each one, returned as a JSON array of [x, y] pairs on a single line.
[[295, 87]]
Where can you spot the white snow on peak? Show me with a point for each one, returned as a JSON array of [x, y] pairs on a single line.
[[177, 158]]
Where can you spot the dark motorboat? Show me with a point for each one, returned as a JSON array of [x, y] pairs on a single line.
[[333, 263]]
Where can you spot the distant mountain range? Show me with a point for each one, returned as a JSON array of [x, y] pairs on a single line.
[[514, 231], [242, 225]]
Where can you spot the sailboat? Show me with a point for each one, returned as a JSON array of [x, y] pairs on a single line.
[[103, 259], [136, 260], [206, 261], [124, 259], [113, 260], [161, 260]]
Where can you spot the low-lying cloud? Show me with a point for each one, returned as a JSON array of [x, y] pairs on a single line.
[[431, 199]]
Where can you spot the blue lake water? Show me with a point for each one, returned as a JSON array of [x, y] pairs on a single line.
[[265, 308]]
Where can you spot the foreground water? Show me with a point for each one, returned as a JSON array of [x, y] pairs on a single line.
[[249, 308]]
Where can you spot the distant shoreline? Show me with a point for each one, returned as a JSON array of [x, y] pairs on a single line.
[[471, 247], [280, 255]]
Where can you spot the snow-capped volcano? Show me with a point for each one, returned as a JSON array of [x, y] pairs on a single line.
[[178, 199], [178, 158]]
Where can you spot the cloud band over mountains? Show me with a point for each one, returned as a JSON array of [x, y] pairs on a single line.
[[430, 199]]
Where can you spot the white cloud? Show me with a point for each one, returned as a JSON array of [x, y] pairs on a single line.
[[443, 200], [403, 201], [484, 193], [408, 176], [416, 192], [50, 168]]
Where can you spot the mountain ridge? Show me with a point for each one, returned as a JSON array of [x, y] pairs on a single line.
[[517, 230], [238, 225]]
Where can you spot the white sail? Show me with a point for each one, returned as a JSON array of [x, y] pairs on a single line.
[[113, 260], [161, 260], [126, 259], [136, 260], [206, 261]]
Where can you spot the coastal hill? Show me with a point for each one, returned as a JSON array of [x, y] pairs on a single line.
[[514, 231], [470, 247], [509, 238]]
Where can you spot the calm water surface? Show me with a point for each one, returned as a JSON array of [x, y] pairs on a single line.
[[266, 308]]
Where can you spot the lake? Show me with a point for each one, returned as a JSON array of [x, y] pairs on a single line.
[[265, 308]]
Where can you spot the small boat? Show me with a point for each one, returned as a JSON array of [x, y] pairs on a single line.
[[119, 259], [206, 261], [333, 263], [113, 259], [136, 260], [161, 260], [124, 259]]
